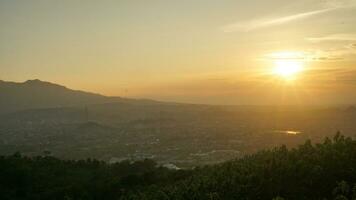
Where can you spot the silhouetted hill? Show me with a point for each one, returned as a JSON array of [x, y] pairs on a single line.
[[34, 94]]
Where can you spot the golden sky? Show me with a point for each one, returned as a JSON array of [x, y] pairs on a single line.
[[198, 51]]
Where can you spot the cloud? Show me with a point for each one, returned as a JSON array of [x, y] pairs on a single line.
[[306, 56], [334, 37], [339, 3], [328, 6], [328, 58], [347, 77], [287, 55], [330, 79], [262, 23]]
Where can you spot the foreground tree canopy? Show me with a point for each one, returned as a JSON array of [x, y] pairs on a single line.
[[311, 171]]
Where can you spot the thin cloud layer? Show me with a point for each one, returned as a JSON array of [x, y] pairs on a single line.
[[262, 23], [334, 37], [328, 6]]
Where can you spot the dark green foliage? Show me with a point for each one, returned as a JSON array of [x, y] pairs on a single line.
[[51, 178], [320, 171]]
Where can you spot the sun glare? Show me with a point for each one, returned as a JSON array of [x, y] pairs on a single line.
[[287, 65], [287, 68]]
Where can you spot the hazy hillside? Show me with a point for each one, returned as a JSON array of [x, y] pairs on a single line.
[[39, 94]]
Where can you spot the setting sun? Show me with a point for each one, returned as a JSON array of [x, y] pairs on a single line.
[[287, 68]]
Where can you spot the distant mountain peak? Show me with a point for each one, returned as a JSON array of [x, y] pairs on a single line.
[[38, 94], [31, 81], [38, 82]]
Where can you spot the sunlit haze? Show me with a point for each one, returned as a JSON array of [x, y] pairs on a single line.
[[211, 52]]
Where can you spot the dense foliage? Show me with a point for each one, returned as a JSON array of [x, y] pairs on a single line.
[[311, 171], [50, 178], [321, 171]]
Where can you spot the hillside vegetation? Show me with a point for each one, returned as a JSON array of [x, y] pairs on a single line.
[[310, 171]]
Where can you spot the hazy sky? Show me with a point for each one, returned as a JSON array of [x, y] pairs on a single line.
[[200, 51]]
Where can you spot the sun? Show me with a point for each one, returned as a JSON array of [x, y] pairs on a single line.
[[287, 68], [287, 64]]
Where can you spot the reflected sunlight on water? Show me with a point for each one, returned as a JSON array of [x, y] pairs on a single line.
[[288, 132], [292, 132]]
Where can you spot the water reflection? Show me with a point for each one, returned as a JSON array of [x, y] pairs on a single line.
[[288, 132]]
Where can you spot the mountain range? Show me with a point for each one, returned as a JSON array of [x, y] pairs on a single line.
[[36, 94]]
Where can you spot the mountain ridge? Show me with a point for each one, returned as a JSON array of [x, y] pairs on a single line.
[[35, 94]]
